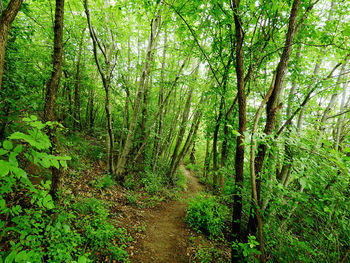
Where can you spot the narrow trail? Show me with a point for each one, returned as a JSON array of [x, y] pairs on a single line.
[[167, 234]]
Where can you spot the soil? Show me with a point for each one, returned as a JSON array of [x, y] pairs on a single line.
[[167, 235]]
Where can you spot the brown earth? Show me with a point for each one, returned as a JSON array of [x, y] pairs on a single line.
[[167, 235]]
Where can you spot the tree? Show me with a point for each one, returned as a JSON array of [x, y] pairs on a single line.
[[52, 88], [6, 19]]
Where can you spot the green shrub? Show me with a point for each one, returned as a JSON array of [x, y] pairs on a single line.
[[194, 167], [180, 180], [249, 250], [205, 213], [91, 206], [29, 228], [132, 197], [152, 182], [131, 182], [102, 182], [209, 254], [99, 233]]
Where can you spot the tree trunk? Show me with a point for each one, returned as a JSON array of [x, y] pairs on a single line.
[[206, 160], [273, 107], [218, 122], [180, 135], [158, 136], [224, 144], [6, 19], [110, 135], [106, 75], [190, 137], [77, 119], [193, 154], [242, 115], [51, 91], [120, 170]]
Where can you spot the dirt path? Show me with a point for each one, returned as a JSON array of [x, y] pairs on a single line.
[[167, 234]]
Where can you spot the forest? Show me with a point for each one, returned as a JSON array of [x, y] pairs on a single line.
[[174, 131]]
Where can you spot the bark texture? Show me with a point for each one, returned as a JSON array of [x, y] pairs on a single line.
[[242, 112], [51, 91], [6, 19]]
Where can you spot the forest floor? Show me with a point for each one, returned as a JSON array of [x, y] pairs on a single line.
[[167, 236]]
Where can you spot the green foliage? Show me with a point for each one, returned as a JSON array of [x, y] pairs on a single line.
[[98, 232], [249, 250], [205, 213], [105, 181], [27, 215], [194, 167], [131, 182], [180, 180], [132, 197], [209, 254], [152, 182]]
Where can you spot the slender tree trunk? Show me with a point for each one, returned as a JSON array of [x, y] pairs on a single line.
[[106, 74], [331, 104], [110, 135], [341, 118], [51, 91], [180, 135], [125, 124], [224, 144], [217, 126], [120, 170], [215, 141], [206, 160], [242, 112], [144, 119], [190, 137], [158, 136], [77, 119], [193, 154], [273, 106], [6, 19]]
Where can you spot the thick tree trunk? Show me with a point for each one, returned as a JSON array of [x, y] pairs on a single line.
[[6, 19], [51, 91]]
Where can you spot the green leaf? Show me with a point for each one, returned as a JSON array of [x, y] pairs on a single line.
[[302, 182], [55, 163], [11, 257], [82, 259], [22, 256], [47, 202], [45, 162], [63, 164], [2, 204], [7, 145], [18, 149], [4, 168], [33, 117], [3, 152]]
